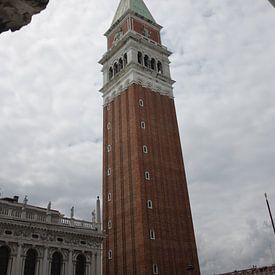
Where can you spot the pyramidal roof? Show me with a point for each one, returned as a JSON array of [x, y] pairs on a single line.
[[136, 6]]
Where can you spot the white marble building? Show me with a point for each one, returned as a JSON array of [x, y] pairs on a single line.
[[41, 241]]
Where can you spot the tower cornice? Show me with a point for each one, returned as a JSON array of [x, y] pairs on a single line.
[[139, 75]]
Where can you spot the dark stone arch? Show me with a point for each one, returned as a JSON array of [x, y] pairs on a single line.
[[160, 70], [30, 262], [80, 265], [4, 259], [120, 64], [115, 68], [140, 57], [57, 260], [153, 64], [111, 73], [125, 59], [146, 61]]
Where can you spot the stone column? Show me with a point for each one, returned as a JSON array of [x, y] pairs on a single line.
[[70, 263], [98, 262], [93, 267], [18, 270], [37, 266], [9, 266], [45, 262], [12, 265]]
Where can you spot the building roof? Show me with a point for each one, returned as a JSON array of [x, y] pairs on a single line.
[[135, 6]]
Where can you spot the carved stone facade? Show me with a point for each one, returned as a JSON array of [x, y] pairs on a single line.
[[14, 14], [47, 234]]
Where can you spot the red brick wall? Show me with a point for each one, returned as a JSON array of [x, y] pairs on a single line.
[[121, 27], [139, 26], [133, 252]]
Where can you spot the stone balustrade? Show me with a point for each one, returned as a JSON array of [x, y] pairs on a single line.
[[51, 216]]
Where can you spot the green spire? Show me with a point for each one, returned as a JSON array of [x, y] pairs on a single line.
[[136, 6]]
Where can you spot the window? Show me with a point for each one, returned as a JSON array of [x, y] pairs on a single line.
[[108, 125], [109, 148], [56, 265], [140, 58], [146, 61], [111, 73], [120, 66], [145, 149], [141, 103], [4, 259], [80, 267], [150, 204], [109, 171], [153, 64], [30, 262], [125, 59], [142, 125], [155, 269], [160, 71], [147, 175], [109, 224], [152, 235], [110, 255], [109, 196], [115, 68]]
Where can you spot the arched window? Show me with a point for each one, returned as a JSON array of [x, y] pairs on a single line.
[[4, 259], [153, 64], [160, 71], [30, 262], [139, 57], [125, 59], [115, 68], [57, 260], [146, 61], [120, 66], [111, 73], [80, 265]]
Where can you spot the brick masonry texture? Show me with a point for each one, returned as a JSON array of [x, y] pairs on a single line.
[[133, 252]]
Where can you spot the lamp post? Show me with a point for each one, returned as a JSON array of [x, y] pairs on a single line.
[[269, 210]]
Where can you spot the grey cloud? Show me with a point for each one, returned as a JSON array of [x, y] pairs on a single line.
[[51, 115]]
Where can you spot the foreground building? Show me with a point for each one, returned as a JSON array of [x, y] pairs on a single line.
[[264, 270], [146, 208], [41, 241]]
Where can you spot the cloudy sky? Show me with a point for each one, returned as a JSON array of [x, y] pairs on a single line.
[[224, 65]]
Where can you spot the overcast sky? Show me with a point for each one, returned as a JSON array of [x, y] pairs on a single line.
[[224, 65]]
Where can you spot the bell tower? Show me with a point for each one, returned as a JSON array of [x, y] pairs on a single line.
[[146, 209]]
